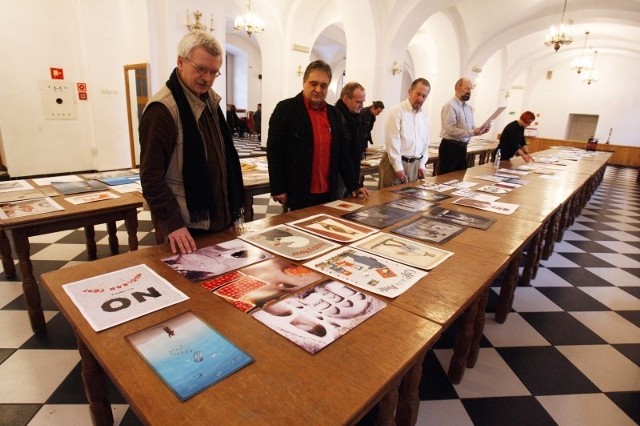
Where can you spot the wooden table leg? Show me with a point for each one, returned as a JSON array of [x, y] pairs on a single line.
[[7, 261], [508, 289], [387, 408], [29, 283], [131, 224], [478, 329], [112, 231], [532, 257], [464, 336], [90, 241], [409, 395], [95, 387]]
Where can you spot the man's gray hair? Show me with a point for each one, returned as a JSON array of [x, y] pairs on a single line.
[[195, 39]]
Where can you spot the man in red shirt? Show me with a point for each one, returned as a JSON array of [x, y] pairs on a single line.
[[306, 149]]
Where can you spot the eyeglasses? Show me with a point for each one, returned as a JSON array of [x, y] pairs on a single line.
[[204, 70]]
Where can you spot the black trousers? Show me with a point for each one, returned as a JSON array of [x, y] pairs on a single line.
[[452, 156]]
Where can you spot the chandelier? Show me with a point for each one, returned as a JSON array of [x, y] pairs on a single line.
[[592, 76], [582, 62], [560, 36], [249, 22], [197, 26]]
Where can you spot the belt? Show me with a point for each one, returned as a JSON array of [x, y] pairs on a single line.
[[455, 141], [411, 160]]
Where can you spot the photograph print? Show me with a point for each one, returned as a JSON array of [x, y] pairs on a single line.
[[379, 216], [410, 204], [429, 230], [458, 217], [422, 193]]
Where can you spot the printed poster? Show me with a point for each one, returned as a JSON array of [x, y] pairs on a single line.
[[289, 242], [333, 228], [368, 271], [251, 288], [188, 354], [404, 250], [31, 207], [317, 317], [207, 262], [120, 296]]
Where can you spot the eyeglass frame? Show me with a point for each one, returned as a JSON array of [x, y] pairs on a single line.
[[204, 70]]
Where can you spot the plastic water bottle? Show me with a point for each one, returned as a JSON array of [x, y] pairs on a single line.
[[496, 161]]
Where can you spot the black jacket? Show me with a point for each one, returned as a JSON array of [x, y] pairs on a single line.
[[290, 152]]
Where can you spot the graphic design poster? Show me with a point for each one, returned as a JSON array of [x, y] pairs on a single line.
[[404, 250], [317, 317], [368, 271], [253, 287], [217, 259], [120, 296], [334, 228], [188, 354], [289, 242]]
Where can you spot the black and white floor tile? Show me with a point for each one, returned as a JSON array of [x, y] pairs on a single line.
[[248, 147], [568, 354]]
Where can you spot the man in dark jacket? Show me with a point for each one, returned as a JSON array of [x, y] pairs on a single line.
[[367, 119], [349, 106], [305, 146]]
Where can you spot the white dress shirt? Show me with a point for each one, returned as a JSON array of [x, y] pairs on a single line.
[[406, 135]]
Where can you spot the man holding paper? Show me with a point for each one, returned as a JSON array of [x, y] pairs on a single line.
[[457, 129]]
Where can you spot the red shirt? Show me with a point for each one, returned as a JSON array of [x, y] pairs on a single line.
[[321, 165]]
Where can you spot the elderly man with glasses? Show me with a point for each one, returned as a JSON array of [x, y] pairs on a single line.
[[189, 169]]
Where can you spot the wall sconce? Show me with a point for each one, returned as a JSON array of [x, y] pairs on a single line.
[[300, 72], [396, 69]]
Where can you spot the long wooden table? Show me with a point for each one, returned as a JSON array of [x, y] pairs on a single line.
[[278, 388], [285, 384], [73, 216]]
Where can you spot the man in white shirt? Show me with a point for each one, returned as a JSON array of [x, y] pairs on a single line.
[[406, 138]]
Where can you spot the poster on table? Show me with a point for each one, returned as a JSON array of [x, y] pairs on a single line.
[[13, 209], [458, 217], [422, 193], [429, 230], [368, 271], [117, 297], [251, 288], [490, 206], [403, 250], [188, 354], [333, 228], [319, 316], [410, 204], [289, 242], [379, 216], [207, 262]]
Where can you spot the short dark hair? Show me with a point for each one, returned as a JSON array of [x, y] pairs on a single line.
[[350, 88], [418, 81], [378, 105], [318, 65]]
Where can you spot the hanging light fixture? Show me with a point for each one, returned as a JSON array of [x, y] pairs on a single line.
[[249, 22], [557, 37], [592, 76], [197, 25], [582, 62]]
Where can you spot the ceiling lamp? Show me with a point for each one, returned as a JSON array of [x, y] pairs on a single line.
[[560, 36], [197, 26], [249, 22], [582, 62], [592, 76]]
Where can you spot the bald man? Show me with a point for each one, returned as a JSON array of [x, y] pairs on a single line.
[[457, 129]]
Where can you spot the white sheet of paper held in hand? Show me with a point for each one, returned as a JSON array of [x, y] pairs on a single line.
[[495, 115]]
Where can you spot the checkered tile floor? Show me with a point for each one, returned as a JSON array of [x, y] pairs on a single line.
[[248, 148], [569, 354]]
